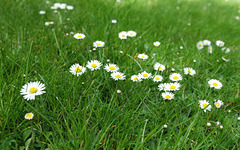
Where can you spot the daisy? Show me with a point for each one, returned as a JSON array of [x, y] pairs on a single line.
[[157, 78], [175, 77], [118, 76], [76, 69], [98, 44], [220, 43], [143, 56], [159, 67], [163, 86], [70, 7], [157, 43], [200, 45], [218, 103], [57, 5], [48, 23], [145, 75], [29, 116], [79, 36], [224, 59], [210, 49], [226, 50], [111, 68], [114, 21], [42, 12], [173, 87], [207, 42], [30, 90], [204, 104], [53, 7], [93, 65], [136, 78], [131, 33], [189, 71], [63, 6], [168, 95], [215, 84], [122, 35]]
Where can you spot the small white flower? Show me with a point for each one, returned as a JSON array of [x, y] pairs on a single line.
[[121, 52], [114, 21], [208, 124], [168, 95], [42, 12], [157, 43], [118, 76], [63, 6], [98, 44], [157, 78], [163, 86], [207, 42], [145, 75], [119, 91], [200, 45], [131, 33], [122, 35], [218, 103], [48, 23], [237, 17], [189, 71], [79, 36], [111, 68], [204, 104], [165, 126], [210, 49], [221, 126], [159, 67], [53, 7], [93, 65], [226, 50], [217, 123], [173, 87], [175, 77], [173, 69], [239, 118], [215, 84], [142, 56], [57, 5], [136, 78], [70, 7], [76, 69], [32, 89], [181, 47], [29, 116], [194, 60], [189, 24], [220, 43]]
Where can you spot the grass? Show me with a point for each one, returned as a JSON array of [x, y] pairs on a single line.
[[86, 112]]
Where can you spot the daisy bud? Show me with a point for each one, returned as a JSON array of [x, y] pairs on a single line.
[[221, 126], [229, 111], [68, 19], [181, 47], [208, 124], [194, 60], [114, 21], [108, 60], [173, 69], [165, 126], [217, 123], [94, 49], [118, 91], [239, 118], [82, 82], [121, 52]]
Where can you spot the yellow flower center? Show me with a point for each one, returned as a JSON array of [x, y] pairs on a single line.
[[175, 77], [33, 90], [118, 76], [131, 33], [28, 116], [143, 56], [172, 87], [200, 44], [217, 104], [112, 68], [145, 75], [220, 43], [78, 69], [215, 84], [210, 49], [204, 105], [123, 35], [94, 65], [79, 36], [136, 79], [159, 68], [189, 71], [157, 78], [98, 44], [168, 96]]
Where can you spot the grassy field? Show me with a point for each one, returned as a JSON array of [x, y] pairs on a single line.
[[89, 111]]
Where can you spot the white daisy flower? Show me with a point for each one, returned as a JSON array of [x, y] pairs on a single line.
[[168, 95], [159, 67], [215, 84], [48, 23], [32, 89], [70, 7], [157, 78], [175, 77], [226, 50], [118, 76], [163, 86], [181, 47], [224, 59], [114, 21], [145, 75], [207, 42], [63, 6], [76, 69], [208, 124], [42, 12], [218, 103], [220, 43], [93, 65], [98, 44], [210, 49], [111, 68], [189, 71], [200, 45], [204, 104], [79, 36], [57, 5], [131, 33], [29, 116], [173, 87], [136, 78], [157, 43], [142, 56], [122, 35]]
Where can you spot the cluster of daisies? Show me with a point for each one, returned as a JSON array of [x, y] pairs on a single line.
[[202, 44], [125, 34], [96, 44]]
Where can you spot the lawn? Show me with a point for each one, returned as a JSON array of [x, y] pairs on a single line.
[[84, 104]]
